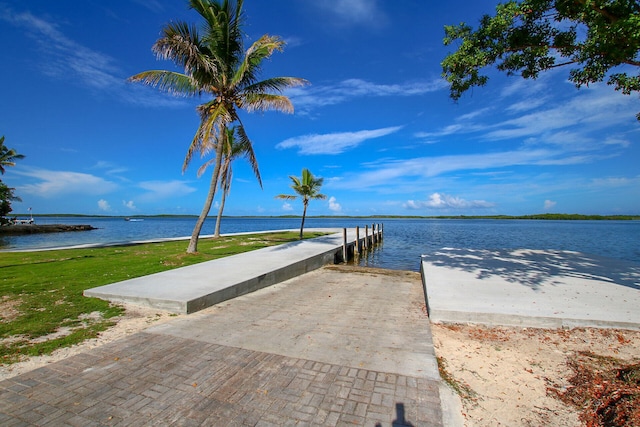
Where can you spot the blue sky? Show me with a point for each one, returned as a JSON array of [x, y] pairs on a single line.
[[376, 121]]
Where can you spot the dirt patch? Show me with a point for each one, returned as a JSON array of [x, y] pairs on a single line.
[[8, 310]]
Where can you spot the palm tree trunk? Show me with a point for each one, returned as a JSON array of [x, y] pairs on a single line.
[[304, 214], [193, 242], [216, 234]]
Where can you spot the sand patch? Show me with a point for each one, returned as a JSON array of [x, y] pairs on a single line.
[[509, 370]]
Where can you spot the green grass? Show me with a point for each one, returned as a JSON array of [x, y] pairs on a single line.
[[41, 292]]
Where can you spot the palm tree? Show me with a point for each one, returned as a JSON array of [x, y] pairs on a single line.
[[216, 64], [308, 188], [7, 156], [235, 147]]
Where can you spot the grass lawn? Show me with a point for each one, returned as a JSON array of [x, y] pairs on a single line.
[[42, 306]]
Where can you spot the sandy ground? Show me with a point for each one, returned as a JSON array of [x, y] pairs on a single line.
[[508, 370]]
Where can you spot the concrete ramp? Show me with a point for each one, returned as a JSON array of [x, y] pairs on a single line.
[[193, 288], [537, 288]]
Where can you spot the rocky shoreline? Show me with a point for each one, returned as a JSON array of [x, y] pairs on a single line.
[[20, 229]]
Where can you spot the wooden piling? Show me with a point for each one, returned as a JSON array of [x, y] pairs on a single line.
[[366, 237], [345, 250]]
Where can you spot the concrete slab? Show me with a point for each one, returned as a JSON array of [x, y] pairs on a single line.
[[538, 288], [193, 288], [327, 316]]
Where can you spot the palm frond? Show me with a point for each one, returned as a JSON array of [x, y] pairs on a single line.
[[247, 149], [260, 50], [265, 102], [204, 167], [214, 118], [181, 43], [169, 81], [286, 196], [275, 84]]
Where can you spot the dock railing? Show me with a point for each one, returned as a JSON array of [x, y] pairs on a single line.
[[351, 249]]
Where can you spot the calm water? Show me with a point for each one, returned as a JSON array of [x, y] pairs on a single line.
[[404, 239]]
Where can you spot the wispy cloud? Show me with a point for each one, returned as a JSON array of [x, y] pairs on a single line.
[[51, 184], [353, 12], [446, 201], [109, 168], [314, 96], [334, 143], [571, 122], [64, 58], [395, 173]]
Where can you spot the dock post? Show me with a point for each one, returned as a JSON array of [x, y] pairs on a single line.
[[381, 230], [356, 248], [366, 237], [345, 252], [374, 240]]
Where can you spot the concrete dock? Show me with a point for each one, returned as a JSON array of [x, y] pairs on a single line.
[[195, 287], [536, 288]]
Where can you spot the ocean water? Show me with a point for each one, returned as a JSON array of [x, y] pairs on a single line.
[[405, 240]]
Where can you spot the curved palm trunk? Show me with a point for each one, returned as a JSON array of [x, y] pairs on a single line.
[[193, 242]]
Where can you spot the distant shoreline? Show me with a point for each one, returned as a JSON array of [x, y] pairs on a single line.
[[549, 216]]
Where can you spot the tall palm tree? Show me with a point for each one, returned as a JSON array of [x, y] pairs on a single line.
[[307, 187], [216, 64], [235, 147], [7, 156]]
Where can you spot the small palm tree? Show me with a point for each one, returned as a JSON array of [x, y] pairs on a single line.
[[216, 64], [7, 156], [235, 146], [307, 187]]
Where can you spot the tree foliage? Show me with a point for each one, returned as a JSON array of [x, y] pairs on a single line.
[[217, 66], [307, 187], [598, 38], [8, 156]]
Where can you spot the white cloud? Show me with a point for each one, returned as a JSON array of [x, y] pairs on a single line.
[[55, 183], [334, 143], [353, 12], [159, 190], [129, 205], [549, 204], [103, 205], [334, 206], [287, 207], [445, 201]]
